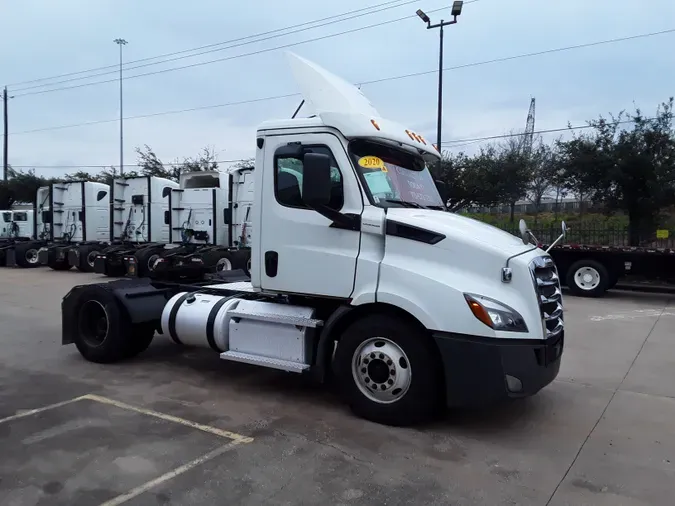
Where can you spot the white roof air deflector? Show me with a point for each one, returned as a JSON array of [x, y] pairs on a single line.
[[325, 92]]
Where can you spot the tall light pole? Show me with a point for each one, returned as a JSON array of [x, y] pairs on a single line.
[[121, 43], [456, 11]]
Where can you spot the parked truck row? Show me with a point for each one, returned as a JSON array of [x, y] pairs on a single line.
[[135, 225]]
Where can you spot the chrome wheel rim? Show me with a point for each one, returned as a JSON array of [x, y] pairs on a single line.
[[381, 370]]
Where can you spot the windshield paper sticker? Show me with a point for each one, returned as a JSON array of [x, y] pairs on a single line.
[[372, 162]]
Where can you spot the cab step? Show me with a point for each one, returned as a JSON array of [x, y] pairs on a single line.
[[272, 363], [269, 334]]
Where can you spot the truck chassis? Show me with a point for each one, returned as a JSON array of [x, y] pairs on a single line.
[[589, 271]]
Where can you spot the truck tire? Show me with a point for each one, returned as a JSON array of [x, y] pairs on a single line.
[[88, 254], [143, 333], [242, 260], [145, 260], [219, 260], [374, 362], [104, 332], [59, 265], [587, 278], [27, 255]]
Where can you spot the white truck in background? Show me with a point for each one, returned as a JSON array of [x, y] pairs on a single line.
[[23, 251], [209, 222], [139, 225], [17, 224], [357, 272], [78, 218]]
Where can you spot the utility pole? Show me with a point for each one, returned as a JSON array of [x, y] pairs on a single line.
[[456, 11], [5, 116], [121, 43]]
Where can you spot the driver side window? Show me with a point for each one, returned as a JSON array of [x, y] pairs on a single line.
[[288, 174]]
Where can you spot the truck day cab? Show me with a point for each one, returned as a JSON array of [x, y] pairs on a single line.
[[357, 273]]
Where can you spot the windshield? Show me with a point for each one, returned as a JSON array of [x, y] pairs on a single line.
[[395, 178]]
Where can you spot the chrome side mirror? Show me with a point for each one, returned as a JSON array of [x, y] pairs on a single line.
[[560, 238], [524, 232]]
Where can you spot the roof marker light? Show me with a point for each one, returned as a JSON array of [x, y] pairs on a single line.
[[375, 124]]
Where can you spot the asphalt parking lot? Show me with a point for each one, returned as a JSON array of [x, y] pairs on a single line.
[[178, 426]]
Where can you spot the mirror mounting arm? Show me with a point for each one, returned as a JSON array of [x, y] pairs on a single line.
[[340, 220]]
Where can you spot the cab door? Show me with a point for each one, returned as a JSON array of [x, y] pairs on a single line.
[[302, 251]]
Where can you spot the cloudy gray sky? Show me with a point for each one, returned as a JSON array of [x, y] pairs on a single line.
[[46, 38]]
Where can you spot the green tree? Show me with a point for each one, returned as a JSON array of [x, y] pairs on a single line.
[[631, 169]]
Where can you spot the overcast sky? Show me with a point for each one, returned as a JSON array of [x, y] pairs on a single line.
[[43, 38]]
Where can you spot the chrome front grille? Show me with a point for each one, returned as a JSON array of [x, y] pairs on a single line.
[[547, 286]]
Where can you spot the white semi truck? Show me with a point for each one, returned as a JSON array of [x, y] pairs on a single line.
[[210, 226], [15, 226], [78, 218], [139, 225], [23, 251], [357, 272]]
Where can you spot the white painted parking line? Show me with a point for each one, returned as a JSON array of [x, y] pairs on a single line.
[[170, 418], [235, 440], [30, 412], [111, 402], [135, 492]]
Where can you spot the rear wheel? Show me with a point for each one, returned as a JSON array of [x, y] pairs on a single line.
[[142, 335], [219, 260], [103, 332], [88, 257], [146, 260], [60, 265], [27, 255], [588, 278], [389, 371]]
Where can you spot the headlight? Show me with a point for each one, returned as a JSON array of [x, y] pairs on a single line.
[[494, 314]]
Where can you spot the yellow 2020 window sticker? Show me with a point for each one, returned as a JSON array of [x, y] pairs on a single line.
[[372, 162]]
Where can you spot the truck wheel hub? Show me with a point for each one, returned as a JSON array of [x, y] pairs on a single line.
[[223, 264], [94, 324], [587, 278], [32, 256], [381, 370], [91, 258]]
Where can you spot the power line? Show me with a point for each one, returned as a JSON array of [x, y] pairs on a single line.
[[234, 57], [161, 113], [459, 142], [242, 41], [374, 81], [165, 164], [106, 67]]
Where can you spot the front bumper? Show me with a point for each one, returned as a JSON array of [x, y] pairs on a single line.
[[480, 371]]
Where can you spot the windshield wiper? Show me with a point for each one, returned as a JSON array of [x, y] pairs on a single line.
[[405, 203], [440, 208]]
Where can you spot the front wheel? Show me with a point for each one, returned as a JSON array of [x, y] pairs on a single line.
[[389, 371]]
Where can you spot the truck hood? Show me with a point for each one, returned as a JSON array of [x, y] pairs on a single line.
[[460, 230]]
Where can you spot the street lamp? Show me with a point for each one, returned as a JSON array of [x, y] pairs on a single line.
[[454, 12], [121, 43]]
